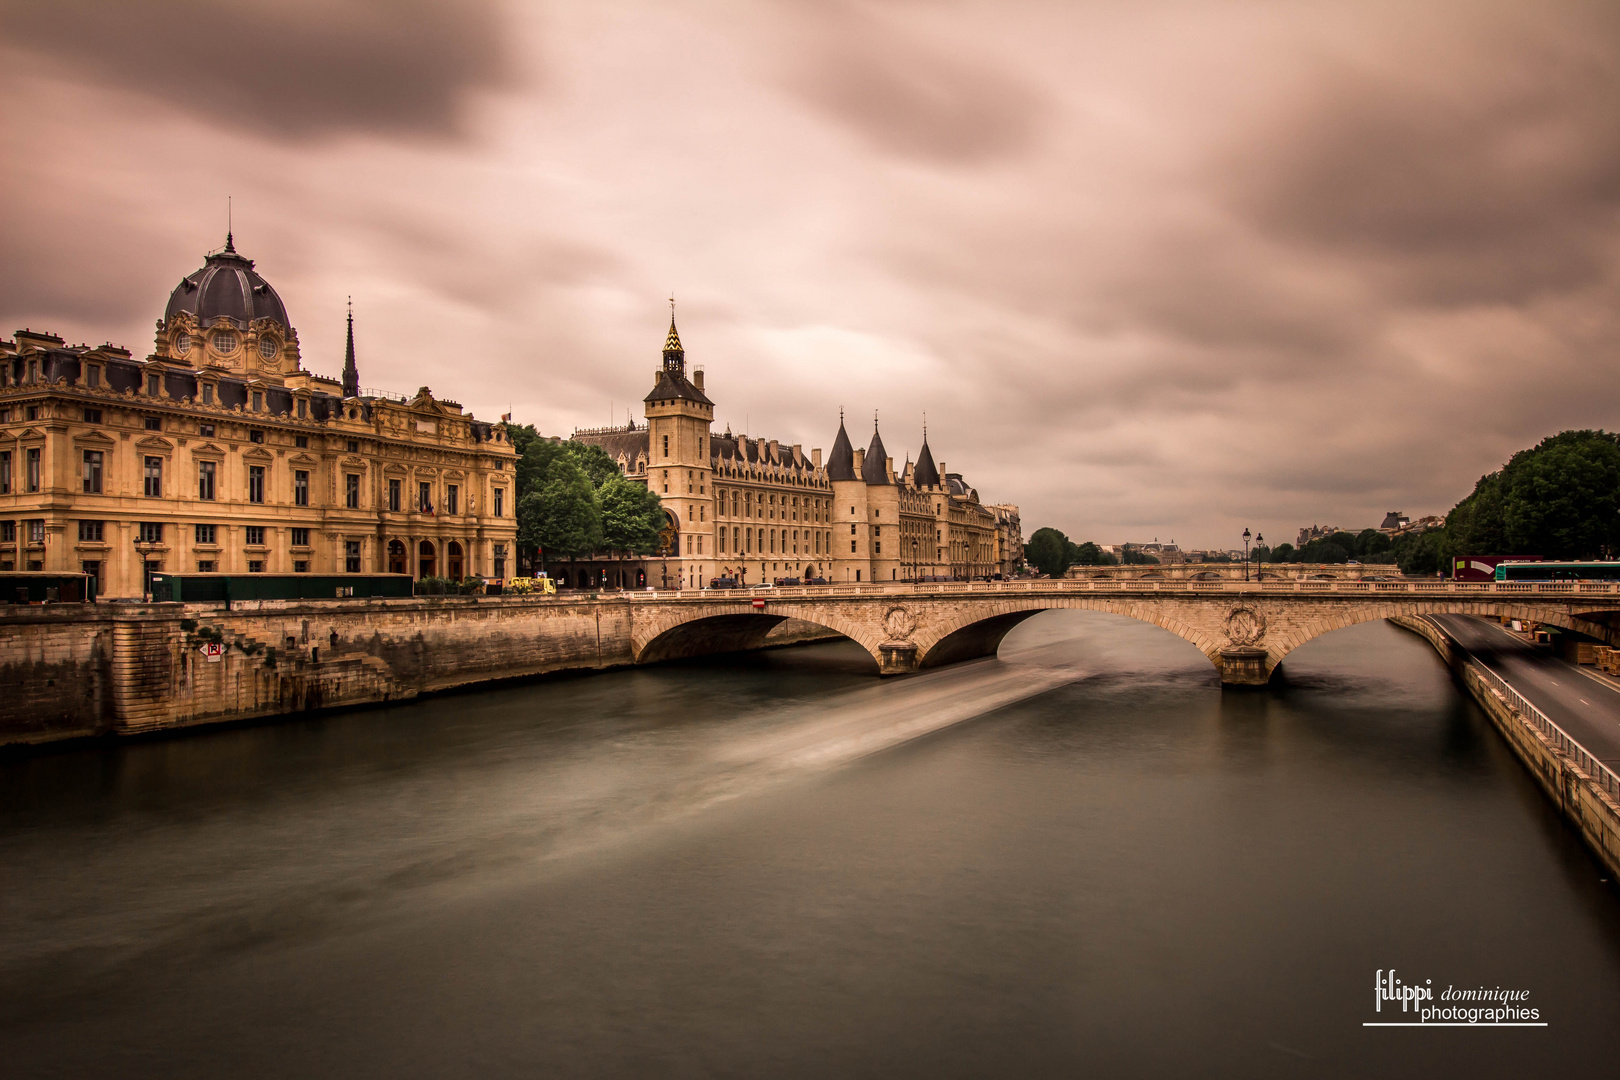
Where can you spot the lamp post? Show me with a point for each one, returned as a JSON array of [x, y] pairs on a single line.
[[915, 555], [1259, 542], [1245, 553]]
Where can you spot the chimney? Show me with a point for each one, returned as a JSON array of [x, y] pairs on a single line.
[[944, 478], [860, 459], [775, 455], [888, 466], [697, 378], [815, 457]]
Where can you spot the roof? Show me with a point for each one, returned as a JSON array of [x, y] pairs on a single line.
[[623, 443], [926, 473], [841, 462], [740, 448], [673, 385], [672, 340], [875, 469], [226, 286]]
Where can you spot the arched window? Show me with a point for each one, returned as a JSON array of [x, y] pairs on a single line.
[[396, 557], [426, 560]]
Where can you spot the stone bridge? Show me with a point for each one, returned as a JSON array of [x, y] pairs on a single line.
[[1245, 628]]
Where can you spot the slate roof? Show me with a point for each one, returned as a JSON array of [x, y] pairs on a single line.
[[226, 286], [875, 469], [841, 462], [926, 473]]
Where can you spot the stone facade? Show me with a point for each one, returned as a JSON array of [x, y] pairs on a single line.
[[757, 510], [220, 453]]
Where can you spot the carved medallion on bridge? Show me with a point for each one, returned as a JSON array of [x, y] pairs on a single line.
[[899, 624], [1245, 626]]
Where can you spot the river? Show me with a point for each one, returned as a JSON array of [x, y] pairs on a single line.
[[1079, 858]]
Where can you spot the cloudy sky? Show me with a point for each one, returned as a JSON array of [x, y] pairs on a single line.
[[1151, 269]]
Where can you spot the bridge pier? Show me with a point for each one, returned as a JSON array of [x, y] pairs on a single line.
[[897, 658], [1244, 665]]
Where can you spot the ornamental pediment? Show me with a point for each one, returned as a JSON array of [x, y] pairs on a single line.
[[30, 434], [303, 459], [354, 463], [208, 450], [394, 469], [93, 438], [152, 442], [257, 454]]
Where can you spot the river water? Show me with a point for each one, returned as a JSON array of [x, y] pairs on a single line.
[[1080, 858]]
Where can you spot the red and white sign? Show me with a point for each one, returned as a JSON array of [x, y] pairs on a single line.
[[214, 651], [759, 605]]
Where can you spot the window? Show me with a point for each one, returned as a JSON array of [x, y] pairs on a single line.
[[852, 546], [5, 472], [500, 560], [300, 487], [5, 414], [351, 491], [205, 566], [256, 437], [300, 538], [300, 566], [303, 411], [8, 532], [393, 496], [92, 567], [255, 566], [253, 536], [92, 472], [500, 502], [354, 446], [451, 501], [31, 412], [225, 342], [93, 376], [204, 534], [36, 530], [351, 556], [152, 384], [154, 423], [424, 497], [150, 532], [267, 348], [154, 478], [258, 401], [182, 343], [208, 393], [92, 416], [256, 483], [90, 532], [301, 441], [206, 430], [206, 471], [33, 469], [877, 548], [666, 446]]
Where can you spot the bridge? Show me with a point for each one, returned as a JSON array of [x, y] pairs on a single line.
[[1244, 628]]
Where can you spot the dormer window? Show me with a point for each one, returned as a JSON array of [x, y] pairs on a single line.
[[225, 342], [182, 343], [258, 401], [208, 393], [151, 386], [267, 348]]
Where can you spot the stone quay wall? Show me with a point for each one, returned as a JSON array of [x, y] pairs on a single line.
[[1593, 812], [72, 671]]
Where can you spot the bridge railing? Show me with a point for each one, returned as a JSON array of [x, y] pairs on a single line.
[[1181, 585], [1597, 770]]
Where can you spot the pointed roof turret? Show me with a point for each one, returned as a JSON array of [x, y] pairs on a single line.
[[927, 473], [875, 469], [841, 462], [351, 373], [674, 354]]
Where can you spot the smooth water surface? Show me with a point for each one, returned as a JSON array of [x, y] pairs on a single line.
[[1082, 858]]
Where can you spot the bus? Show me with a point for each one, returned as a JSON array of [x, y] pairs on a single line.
[[189, 588], [1558, 571]]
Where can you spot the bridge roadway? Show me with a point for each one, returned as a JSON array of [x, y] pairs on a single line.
[[1584, 704], [1244, 628]]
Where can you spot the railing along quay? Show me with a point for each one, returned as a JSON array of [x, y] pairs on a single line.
[[1597, 770]]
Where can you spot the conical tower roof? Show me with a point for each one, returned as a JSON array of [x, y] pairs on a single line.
[[841, 462], [875, 469], [926, 473]]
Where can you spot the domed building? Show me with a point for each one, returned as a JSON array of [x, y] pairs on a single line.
[[220, 453]]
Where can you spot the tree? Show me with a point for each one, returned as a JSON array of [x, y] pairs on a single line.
[[1283, 552], [519, 435], [1139, 558], [1049, 552], [563, 515], [631, 516], [1422, 553], [1560, 498], [1089, 554]]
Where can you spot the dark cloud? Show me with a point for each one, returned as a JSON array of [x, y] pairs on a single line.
[[1490, 177], [909, 99], [293, 69]]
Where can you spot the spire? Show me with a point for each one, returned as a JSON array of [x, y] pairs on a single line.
[[927, 473], [230, 245], [841, 462], [351, 373], [674, 354]]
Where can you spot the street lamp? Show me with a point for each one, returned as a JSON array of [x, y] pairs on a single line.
[[1245, 553], [1259, 542]]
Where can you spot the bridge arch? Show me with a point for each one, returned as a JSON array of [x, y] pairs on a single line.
[[707, 629]]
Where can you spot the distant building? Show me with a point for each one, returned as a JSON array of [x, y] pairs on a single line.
[[1315, 532], [1394, 522]]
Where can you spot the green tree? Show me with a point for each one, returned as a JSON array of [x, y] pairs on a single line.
[[1422, 553], [1559, 499], [1089, 554], [631, 516], [1283, 552], [1139, 558], [562, 516], [519, 435], [1049, 551]]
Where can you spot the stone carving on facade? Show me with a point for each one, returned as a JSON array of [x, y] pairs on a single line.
[[899, 624], [1245, 626]]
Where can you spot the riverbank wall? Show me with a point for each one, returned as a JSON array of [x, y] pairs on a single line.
[[84, 670], [1577, 794]]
